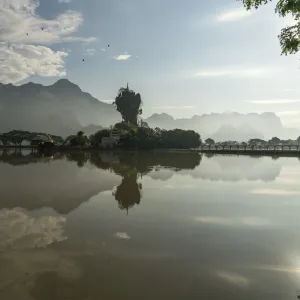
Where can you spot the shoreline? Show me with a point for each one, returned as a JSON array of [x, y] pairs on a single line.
[[272, 153]]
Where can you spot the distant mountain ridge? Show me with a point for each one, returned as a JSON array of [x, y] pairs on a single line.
[[61, 108], [228, 126]]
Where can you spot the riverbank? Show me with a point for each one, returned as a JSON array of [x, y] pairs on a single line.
[[274, 153]]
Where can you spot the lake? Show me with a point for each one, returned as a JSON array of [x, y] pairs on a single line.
[[85, 226]]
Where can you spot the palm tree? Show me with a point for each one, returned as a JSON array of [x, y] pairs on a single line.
[[128, 104]]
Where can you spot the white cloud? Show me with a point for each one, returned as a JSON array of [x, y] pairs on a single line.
[[275, 192], [274, 101], [232, 72], [19, 18], [122, 56], [288, 113], [64, 1], [122, 235], [103, 49], [23, 34], [175, 107], [21, 61], [110, 101], [90, 52], [233, 15]]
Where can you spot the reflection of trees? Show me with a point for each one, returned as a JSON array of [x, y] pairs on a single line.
[[81, 158], [129, 165], [17, 157], [128, 193]]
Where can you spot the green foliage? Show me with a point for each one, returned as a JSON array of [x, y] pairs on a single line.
[[77, 140], [128, 104], [290, 36], [16, 137], [96, 138], [181, 139], [274, 141], [209, 141], [256, 141]]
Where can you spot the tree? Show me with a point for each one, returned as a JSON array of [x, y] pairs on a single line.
[[80, 133], [96, 138], [209, 141], [180, 139], [128, 104], [298, 140], [274, 141], [289, 37], [256, 141]]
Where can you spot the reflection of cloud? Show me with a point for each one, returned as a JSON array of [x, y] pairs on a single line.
[[162, 174], [233, 278], [248, 221], [122, 235], [283, 269], [275, 192], [19, 230], [236, 168], [169, 186]]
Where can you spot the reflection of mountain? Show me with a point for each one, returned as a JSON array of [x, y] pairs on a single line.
[[69, 179], [58, 184], [236, 168]]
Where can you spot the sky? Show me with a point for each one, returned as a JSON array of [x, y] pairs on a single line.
[[184, 57]]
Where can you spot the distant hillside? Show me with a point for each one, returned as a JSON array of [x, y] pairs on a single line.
[[61, 108], [232, 126], [240, 134]]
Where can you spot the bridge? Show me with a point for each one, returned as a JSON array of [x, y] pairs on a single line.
[[251, 149]]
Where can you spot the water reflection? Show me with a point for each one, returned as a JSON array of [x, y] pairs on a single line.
[[42, 187], [198, 228], [19, 230]]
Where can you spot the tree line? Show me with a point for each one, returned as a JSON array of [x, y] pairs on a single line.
[[273, 141]]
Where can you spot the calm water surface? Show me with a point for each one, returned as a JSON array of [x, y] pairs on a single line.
[[149, 226]]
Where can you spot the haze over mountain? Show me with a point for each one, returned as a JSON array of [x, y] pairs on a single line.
[[228, 126], [61, 108]]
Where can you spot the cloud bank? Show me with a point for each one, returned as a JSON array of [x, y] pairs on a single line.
[[24, 36]]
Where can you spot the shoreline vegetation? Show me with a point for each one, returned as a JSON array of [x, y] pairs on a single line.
[[134, 134]]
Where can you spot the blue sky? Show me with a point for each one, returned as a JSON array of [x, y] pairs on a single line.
[[184, 57]]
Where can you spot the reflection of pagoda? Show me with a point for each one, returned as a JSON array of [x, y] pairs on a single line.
[[128, 193]]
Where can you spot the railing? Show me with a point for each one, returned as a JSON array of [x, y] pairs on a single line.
[[253, 148]]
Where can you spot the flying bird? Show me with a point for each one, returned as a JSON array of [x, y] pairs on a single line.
[[108, 46], [83, 60], [27, 33], [42, 28]]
